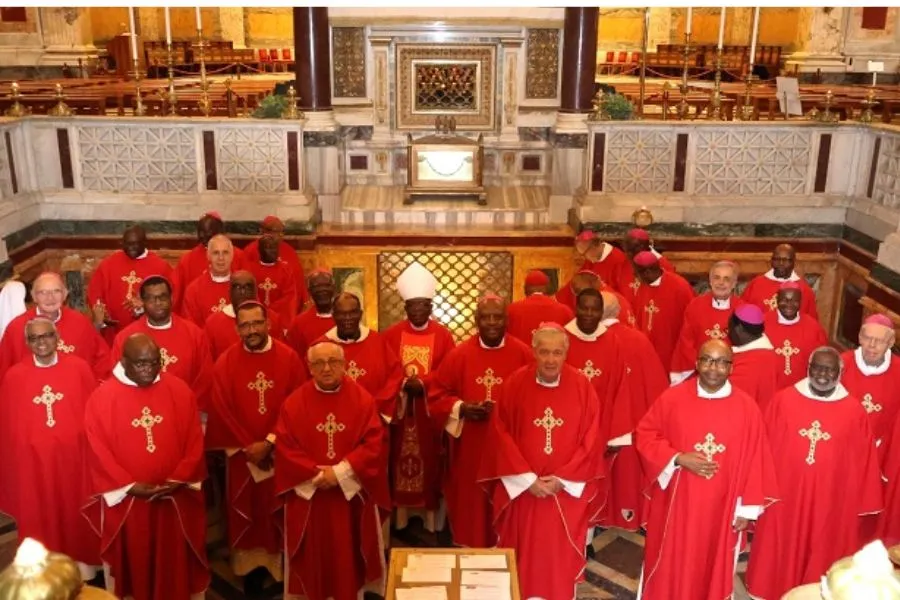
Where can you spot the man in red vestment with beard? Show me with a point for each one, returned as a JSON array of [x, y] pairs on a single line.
[[221, 327], [598, 256], [251, 381], [706, 318], [827, 468], [588, 279], [77, 334], [313, 322], [762, 289], [755, 362], [660, 304], [460, 400], [208, 293], [274, 226], [112, 291], [332, 482], [627, 281], [524, 316], [183, 349], [421, 344], [709, 470], [794, 335], [275, 281], [45, 479], [147, 467], [544, 467], [193, 263]]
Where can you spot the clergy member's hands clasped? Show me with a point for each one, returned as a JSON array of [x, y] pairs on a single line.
[[697, 464], [259, 453], [326, 479], [473, 411], [151, 492], [544, 487], [741, 524]]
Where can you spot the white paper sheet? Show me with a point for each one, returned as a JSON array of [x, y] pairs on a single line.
[[426, 575], [438, 592], [497, 579], [482, 561], [440, 561], [477, 592]]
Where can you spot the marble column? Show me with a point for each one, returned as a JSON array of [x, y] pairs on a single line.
[[381, 117], [820, 41], [231, 24], [312, 52], [67, 36], [579, 65]]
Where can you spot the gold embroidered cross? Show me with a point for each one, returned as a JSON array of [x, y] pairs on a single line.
[[651, 309], [260, 386], [716, 333], [166, 359], [709, 448], [62, 347], [787, 351], [354, 372], [329, 428], [219, 307], [147, 421], [589, 371], [815, 435], [130, 279], [635, 285], [771, 303], [488, 381], [549, 424], [267, 286], [48, 399], [869, 405]]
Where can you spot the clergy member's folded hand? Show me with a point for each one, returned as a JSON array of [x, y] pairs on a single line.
[[474, 412], [326, 479], [258, 452], [414, 387], [167, 489], [741, 524], [696, 463], [541, 489], [554, 485], [143, 490], [98, 311]]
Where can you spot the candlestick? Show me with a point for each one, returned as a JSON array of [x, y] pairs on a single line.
[[643, 66], [139, 110], [204, 102], [753, 38], [168, 28], [690, 18], [199, 20], [721, 27], [683, 106], [715, 102], [134, 54]]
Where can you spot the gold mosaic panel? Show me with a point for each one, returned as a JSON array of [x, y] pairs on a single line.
[[348, 50], [467, 74], [542, 59], [463, 277]]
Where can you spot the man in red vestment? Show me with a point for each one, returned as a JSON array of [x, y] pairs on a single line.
[[588, 279], [274, 226], [112, 291], [627, 281], [275, 281], [147, 467], [193, 263], [888, 526], [706, 318], [794, 335], [544, 467], [872, 376], [183, 348], [709, 472], [604, 259], [461, 399], [208, 293], [421, 344], [755, 361], [762, 289], [221, 327], [77, 334], [251, 381], [312, 323], [524, 316], [827, 468], [45, 479], [332, 482]]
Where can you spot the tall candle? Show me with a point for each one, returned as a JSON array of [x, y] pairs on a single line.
[[134, 54], [721, 27], [199, 20], [168, 28], [754, 35], [690, 18]]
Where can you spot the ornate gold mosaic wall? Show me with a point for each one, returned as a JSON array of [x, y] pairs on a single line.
[[348, 50], [463, 277], [542, 59], [446, 79]]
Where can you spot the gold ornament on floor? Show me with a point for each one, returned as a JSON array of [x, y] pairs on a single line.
[[61, 109], [36, 574], [17, 109]]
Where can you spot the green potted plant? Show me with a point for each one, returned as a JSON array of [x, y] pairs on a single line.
[[271, 107], [617, 107]]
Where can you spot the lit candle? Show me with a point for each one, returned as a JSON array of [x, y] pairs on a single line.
[[199, 20], [134, 55], [721, 27], [690, 18], [754, 35], [168, 28]]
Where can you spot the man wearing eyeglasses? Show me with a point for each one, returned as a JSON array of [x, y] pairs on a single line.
[[76, 332], [704, 451], [828, 474]]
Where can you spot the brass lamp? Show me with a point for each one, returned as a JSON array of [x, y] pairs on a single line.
[[37, 574]]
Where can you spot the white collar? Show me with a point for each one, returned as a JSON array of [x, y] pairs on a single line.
[[220, 278], [866, 369], [141, 256], [334, 391], [119, 373], [721, 304], [419, 329], [497, 347], [839, 393], [655, 253], [722, 392], [607, 250], [265, 264], [783, 321], [572, 327], [37, 311], [547, 384], [657, 282], [53, 362], [229, 310], [323, 315], [770, 275], [160, 327], [332, 335], [609, 322], [760, 343], [265, 348]]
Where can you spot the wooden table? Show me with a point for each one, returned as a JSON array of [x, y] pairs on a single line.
[[399, 557]]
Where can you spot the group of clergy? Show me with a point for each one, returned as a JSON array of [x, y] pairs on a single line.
[[621, 401]]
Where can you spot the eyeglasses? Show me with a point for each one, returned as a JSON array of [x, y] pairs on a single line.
[[719, 363], [41, 337], [333, 363]]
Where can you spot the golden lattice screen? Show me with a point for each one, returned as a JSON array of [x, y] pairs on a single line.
[[463, 277]]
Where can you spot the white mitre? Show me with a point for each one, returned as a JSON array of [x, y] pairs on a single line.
[[867, 574], [416, 282]]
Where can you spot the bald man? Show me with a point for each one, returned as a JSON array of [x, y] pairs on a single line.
[[763, 289], [192, 264], [209, 293]]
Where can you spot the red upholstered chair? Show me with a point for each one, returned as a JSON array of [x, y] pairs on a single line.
[[623, 58], [263, 55], [285, 54], [610, 59], [273, 54], [635, 58]]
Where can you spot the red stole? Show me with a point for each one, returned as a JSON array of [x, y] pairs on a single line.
[[702, 322], [794, 343]]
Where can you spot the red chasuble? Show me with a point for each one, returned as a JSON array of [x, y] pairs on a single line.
[[628, 283], [221, 331], [525, 315], [286, 253], [204, 297], [660, 313], [762, 291], [77, 336], [754, 368], [374, 366], [470, 373], [793, 343], [612, 260], [879, 394], [192, 264], [276, 289], [702, 322], [889, 520], [827, 468], [155, 549], [415, 462], [332, 538], [184, 352], [567, 297], [691, 546], [45, 475], [545, 431], [306, 328], [117, 278], [248, 391]]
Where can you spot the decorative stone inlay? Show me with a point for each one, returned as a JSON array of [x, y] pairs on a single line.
[[887, 178], [6, 189], [640, 160], [251, 160], [753, 162], [542, 58], [348, 52]]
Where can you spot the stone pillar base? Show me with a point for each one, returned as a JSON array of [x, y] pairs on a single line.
[[68, 55], [571, 122], [320, 120]]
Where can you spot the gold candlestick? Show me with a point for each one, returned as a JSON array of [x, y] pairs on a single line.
[[139, 110], [683, 106], [598, 114], [61, 109], [645, 40], [827, 116], [16, 110], [867, 116], [171, 97], [204, 103], [746, 111], [715, 103]]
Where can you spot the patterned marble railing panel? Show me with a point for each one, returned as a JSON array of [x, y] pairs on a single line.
[[252, 160], [640, 160], [886, 185]]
